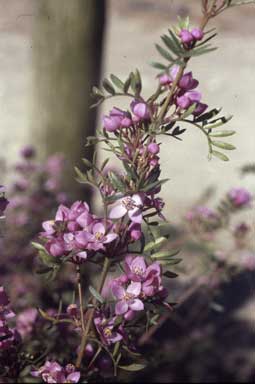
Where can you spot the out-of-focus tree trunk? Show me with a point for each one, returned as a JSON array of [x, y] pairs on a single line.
[[67, 48]]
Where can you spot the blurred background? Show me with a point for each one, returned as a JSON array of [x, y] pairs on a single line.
[[53, 51]]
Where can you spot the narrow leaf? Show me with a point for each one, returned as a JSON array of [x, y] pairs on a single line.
[[108, 87], [220, 155], [222, 145], [96, 294], [116, 81], [132, 367]]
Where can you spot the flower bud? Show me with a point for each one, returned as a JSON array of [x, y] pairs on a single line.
[[165, 79], [197, 33], [111, 124], [153, 148], [140, 109], [184, 102], [186, 36], [200, 108]]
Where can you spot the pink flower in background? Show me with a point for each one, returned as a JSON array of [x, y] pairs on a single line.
[[25, 321], [240, 197], [52, 372], [131, 205], [127, 298]]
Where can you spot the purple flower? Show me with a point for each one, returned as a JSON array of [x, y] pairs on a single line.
[[52, 372], [197, 33], [186, 36], [200, 108], [187, 82], [190, 97], [140, 110], [109, 333], [28, 152], [117, 119], [111, 124], [165, 79], [135, 231], [131, 205], [240, 197], [97, 239], [127, 298], [25, 321], [153, 148]]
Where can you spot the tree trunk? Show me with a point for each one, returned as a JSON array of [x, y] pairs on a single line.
[[67, 49]]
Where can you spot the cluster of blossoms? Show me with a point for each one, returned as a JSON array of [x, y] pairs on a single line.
[[203, 218], [9, 337], [75, 230], [52, 372], [186, 95], [37, 187]]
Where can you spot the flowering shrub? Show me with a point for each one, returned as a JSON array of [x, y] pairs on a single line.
[[107, 323]]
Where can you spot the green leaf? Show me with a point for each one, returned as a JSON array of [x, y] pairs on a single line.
[[157, 65], [127, 84], [82, 178], [220, 155], [97, 92], [38, 246], [222, 145], [132, 367], [223, 133], [154, 185], [218, 122], [165, 254], [96, 294], [136, 82], [87, 163], [189, 111], [164, 53], [208, 115], [199, 52], [155, 244], [176, 49], [170, 262], [117, 82], [117, 182], [108, 87]]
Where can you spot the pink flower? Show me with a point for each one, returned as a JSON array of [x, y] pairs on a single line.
[[187, 82], [109, 333], [153, 148], [131, 205], [97, 239], [25, 321], [200, 108], [127, 298], [197, 33], [52, 372], [165, 79], [240, 197], [140, 109], [186, 36]]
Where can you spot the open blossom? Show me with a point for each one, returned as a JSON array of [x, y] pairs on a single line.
[[109, 333], [131, 205], [239, 197], [128, 299], [52, 372], [137, 270], [76, 230]]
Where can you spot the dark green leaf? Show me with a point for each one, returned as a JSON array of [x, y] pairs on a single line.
[[132, 367], [170, 275], [164, 53], [108, 87], [96, 294], [157, 65], [117, 82], [165, 254]]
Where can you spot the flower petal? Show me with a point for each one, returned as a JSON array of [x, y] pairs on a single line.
[[121, 307], [118, 211], [136, 305], [134, 289], [118, 291], [99, 227], [110, 237]]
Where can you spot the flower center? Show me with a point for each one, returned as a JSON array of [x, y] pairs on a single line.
[[107, 332], [138, 271], [129, 203], [99, 235], [128, 296]]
